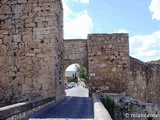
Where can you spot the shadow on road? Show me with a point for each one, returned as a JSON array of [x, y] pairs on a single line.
[[70, 107]]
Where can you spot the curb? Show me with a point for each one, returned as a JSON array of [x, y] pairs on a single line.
[[100, 112]]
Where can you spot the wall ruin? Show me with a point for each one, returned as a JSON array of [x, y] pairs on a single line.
[[31, 45], [144, 81]]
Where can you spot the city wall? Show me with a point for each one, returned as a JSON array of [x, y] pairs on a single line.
[[108, 61], [144, 81], [33, 56], [31, 45]]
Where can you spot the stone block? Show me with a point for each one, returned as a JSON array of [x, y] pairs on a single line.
[[30, 54], [30, 25], [17, 9], [5, 9], [22, 1], [17, 38]]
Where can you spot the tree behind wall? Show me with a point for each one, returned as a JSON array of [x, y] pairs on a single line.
[[82, 73]]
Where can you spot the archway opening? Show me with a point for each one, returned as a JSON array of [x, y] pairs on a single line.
[[76, 80]]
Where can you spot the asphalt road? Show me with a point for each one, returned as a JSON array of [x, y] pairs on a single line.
[[77, 91], [76, 106]]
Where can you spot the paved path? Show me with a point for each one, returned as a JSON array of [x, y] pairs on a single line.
[[77, 91], [76, 106]]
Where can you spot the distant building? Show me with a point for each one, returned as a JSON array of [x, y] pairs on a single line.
[[69, 73]]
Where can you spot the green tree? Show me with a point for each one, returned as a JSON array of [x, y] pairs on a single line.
[[82, 73]]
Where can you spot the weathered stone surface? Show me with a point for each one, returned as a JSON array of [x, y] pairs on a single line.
[[75, 51], [108, 60], [128, 108], [21, 110], [144, 81], [31, 45]]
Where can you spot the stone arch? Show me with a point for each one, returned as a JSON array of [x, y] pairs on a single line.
[[67, 63], [75, 51]]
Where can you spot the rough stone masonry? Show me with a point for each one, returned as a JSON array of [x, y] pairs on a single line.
[[108, 61], [75, 51], [144, 82], [31, 45]]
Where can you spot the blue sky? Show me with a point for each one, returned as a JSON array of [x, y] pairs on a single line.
[[139, 18]]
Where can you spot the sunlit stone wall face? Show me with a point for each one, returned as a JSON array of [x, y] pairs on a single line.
[[108, 61], [31, 45]]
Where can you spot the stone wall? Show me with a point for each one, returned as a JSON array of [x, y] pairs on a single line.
[[108, 61], [31, 45], [22, 110], [75, 51], [144, 81]]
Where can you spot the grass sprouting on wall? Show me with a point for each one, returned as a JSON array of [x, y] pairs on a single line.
[[109, 105]]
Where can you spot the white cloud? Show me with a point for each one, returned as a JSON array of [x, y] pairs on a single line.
[[67, 11], [122, 31], [155, 9], [145, 47], [82, 1], [146, 53], [76, 27]]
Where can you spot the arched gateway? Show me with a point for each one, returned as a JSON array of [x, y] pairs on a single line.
[[106, 57], [75, 51]]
